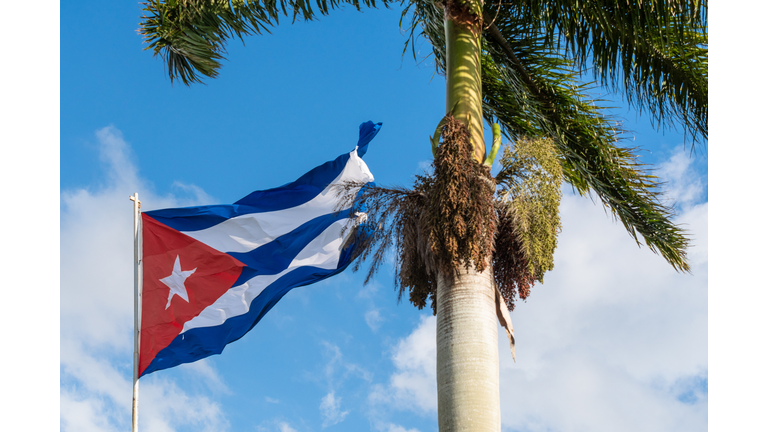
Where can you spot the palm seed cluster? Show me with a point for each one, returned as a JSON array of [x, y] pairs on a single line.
[[461, 216]]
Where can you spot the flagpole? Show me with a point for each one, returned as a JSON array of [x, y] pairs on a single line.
[[136, 303]]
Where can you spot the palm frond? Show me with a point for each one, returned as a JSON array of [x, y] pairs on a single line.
[[652, 52], [191, 35], [587, 139], [532, 89], [426, 20]]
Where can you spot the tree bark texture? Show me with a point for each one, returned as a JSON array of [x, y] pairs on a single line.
[[467, 353]]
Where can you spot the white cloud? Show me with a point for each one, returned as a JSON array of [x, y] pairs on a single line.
[[336, 362], [614, 339], [397, 428], [379, 403], [333, 362], [369, 290], [206, 372], [271, 400], [374, 319], [97, 309], [682, 187], [98, 399], [330, 409], [412, 386], [275, 425], [198, 194], [612, 336], [164, 406], [85, 414], [336, 371], [285, 427]]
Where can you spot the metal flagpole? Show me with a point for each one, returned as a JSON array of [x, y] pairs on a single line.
[[137, 256]]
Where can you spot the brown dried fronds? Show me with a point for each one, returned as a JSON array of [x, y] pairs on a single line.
[[511, 270], [451, 219], [395, 218], [416, 268], [446, 221], [460, 219], [384, 209]]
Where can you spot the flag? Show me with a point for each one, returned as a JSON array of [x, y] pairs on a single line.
[[210, 273]]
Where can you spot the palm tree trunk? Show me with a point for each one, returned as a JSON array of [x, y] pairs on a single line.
[[467, 354], [467, 338]]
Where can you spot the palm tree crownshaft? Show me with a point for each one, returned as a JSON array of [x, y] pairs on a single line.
[[463, 74]]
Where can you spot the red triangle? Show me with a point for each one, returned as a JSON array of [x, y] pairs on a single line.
[[214, 275]]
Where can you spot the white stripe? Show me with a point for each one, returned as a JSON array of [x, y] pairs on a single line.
[[247, 232], [323, 251]]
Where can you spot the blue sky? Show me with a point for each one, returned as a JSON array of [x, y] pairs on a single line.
[[614, 340]]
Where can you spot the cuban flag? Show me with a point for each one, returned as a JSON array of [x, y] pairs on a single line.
[[210, 273]]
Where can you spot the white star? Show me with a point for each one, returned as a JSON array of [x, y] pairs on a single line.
[[176, 282]]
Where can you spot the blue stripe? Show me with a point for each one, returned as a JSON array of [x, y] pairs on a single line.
[[289, 195], [300, 191], [276, 256]]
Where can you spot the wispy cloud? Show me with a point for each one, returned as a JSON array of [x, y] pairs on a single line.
[[601, 344], [683, 187], [285, 427], [368, 291], [374, 319], [337, 369], [415, 359], [613, 339], [330, 409], [97, 309], [275, 425], [334, 361], [196, 193], [206, 372], [391, 427], [412, 385]]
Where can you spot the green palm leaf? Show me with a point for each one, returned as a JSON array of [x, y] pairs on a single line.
[[586, 137], [535, 54], [652, 52], [531, 88], [191, 35]]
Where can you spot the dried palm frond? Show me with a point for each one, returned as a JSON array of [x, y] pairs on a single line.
[[461, 219], [446, 221], [511, 270], [394, 223]]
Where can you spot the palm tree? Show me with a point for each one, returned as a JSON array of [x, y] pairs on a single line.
[[531, 69]]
